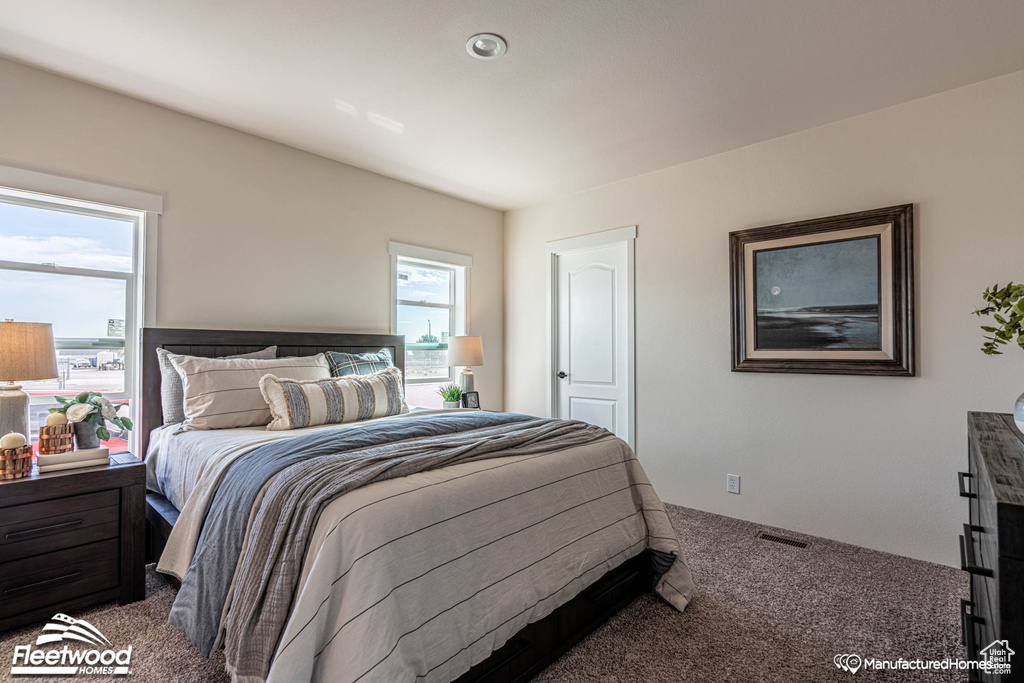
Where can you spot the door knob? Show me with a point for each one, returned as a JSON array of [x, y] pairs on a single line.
[[562, 375]]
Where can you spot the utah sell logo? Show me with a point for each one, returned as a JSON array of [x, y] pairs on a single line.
[[68, 662]]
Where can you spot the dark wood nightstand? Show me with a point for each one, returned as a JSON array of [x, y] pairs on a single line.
[[72, 539]]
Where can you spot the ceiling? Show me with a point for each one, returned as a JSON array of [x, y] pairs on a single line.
[[590, 91]]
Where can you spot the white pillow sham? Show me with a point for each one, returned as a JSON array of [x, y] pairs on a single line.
[[222, 393], [172, 394]]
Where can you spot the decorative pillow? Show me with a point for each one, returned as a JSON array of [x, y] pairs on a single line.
[[344, 364], [307, 403], [172, 396], [222, 393]]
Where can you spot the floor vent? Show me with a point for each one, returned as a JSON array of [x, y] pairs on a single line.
[[782, 539]]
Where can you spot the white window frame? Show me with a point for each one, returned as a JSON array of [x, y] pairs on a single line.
[[42, 190], [459, 265]]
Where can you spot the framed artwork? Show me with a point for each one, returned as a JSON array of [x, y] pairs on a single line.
[[830, 295], [470, 399]]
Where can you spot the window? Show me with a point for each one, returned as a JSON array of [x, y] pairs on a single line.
[[75, 264], [428, 306]]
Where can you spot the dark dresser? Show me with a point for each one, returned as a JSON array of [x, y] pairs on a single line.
[[992, 544], [71, 539]]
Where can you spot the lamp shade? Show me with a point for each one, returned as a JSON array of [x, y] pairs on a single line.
[[26, 351], [465, 351]]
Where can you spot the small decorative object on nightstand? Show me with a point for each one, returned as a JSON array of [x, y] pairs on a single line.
[[471, 399], [88, 413], [72, 539], [465, 351], [26, 353], [57, 435], [15, 456], [452, 396]]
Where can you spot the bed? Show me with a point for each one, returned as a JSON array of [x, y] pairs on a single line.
[[424, 561]]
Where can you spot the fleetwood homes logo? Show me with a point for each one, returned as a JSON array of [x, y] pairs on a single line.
[[99, 660]]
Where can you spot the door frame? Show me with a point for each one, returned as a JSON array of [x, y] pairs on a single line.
[[569, 245]]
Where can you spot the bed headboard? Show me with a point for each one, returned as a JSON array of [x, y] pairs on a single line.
[[210, 343]]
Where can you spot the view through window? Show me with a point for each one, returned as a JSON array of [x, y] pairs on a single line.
[[427, 314], [74, 267]]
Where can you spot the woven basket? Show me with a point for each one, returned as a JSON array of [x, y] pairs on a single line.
[[56, 439], [16, 463]]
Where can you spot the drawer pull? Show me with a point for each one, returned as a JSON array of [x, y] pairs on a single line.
[[40, 585], [43, 530], [964, 493], [967, 560]]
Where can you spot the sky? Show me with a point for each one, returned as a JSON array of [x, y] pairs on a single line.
[[833, 273], [425, 285], [77, 306]]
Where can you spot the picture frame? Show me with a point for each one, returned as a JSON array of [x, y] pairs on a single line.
[[471, 399], [829, 295]]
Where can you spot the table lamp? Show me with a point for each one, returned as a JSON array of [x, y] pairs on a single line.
[[465, 351], [26, 353]]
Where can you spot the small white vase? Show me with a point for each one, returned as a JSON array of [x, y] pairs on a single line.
[[1018, 413], [448, 405]]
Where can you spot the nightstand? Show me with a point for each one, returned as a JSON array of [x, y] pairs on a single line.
[[72, 539]]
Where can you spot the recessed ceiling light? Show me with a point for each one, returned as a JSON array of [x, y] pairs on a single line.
[[486, 46]]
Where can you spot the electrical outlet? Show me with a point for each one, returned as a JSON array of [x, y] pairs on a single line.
[[732, 483]]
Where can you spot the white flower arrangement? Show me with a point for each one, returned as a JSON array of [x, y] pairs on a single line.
[[92, 407]]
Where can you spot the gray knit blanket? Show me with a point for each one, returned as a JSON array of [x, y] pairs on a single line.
[[268, 572]]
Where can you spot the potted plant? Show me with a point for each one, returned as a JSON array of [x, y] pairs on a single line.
[[452, 396], [89, 413], [1006, 306]]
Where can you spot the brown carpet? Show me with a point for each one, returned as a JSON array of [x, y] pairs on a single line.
[[763, 612]]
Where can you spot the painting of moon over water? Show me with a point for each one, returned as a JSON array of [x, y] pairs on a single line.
[[816, 297]]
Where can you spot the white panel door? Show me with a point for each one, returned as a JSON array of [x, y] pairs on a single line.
[[592, 373]]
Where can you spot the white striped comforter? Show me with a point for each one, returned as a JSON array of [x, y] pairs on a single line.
[[421, 577]]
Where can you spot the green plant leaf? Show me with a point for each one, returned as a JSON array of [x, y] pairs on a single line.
[[103, 433], [127, 423], [82, 397]]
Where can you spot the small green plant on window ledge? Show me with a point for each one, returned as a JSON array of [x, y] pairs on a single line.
[[1006, 306], [450, 393]]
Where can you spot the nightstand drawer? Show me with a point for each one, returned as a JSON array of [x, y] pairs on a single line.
[[48, 579], [51, 525]]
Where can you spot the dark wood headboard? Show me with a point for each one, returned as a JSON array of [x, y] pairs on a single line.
[[211, 343]]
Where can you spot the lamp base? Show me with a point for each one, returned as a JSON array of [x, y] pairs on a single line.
[[466, 380], [13, 410]]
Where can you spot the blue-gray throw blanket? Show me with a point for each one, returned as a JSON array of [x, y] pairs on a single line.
[[199, 605]]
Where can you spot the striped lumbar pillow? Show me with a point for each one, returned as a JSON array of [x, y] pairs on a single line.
[[306, 403], [222, 393]]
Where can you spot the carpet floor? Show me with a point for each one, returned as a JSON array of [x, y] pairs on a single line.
[[763, 612]]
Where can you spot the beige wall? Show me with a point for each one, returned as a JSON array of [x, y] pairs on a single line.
[[870, 461], [254, 235]]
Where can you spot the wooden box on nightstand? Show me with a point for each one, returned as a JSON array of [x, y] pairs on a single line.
[[72, 539]]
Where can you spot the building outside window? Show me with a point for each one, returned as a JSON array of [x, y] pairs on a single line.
[[74, 264], [428, 306]]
